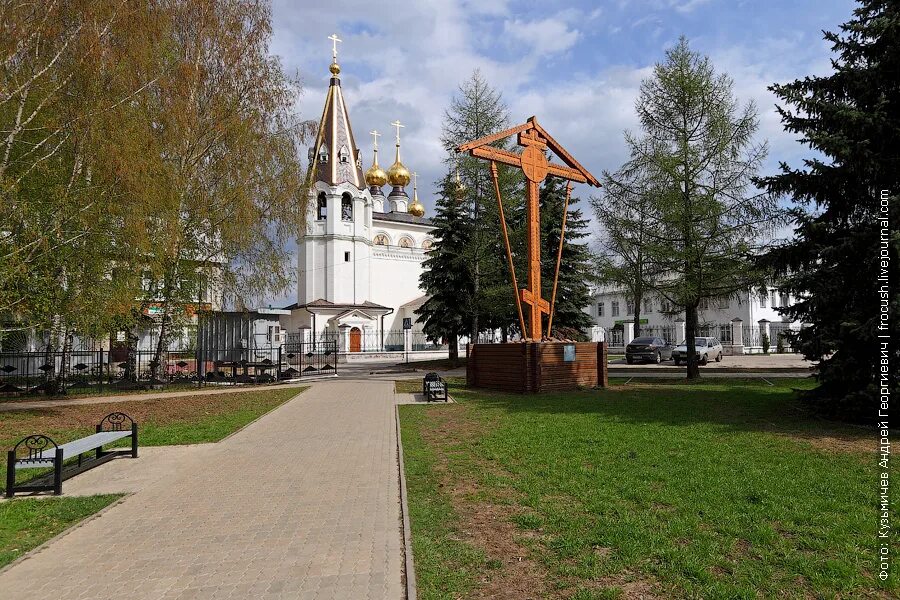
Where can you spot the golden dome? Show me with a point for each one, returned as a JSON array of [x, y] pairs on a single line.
[[398, 174], [376, 175], [335, 69], [416, 208]]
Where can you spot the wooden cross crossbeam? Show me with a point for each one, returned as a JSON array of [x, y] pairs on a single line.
[[534, 164]]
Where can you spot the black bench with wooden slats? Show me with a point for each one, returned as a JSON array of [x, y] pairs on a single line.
[[44, 453]]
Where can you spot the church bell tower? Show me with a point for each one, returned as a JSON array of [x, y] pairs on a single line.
[[333, 254]]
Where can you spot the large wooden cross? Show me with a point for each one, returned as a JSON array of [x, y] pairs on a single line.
[[533, 162]]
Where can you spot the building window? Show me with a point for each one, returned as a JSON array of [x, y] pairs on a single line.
[[322, 207], [704, 304], [405, 242], [615, 308], [785, 299], [665, 306], [723, 303], [762, 300], [600, 309], [323, 154], [427, 244], [380, 240], [346, 208], [343, 155], [346, 257], [629, 306], [648, 305], [774, 298]]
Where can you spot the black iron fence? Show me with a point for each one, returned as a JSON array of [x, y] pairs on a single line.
[[369, 341], [102, 371]]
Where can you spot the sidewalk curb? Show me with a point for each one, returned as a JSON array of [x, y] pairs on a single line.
[[409, 569]]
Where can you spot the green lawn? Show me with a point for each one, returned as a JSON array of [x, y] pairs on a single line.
[[721, 489], [28, 523]]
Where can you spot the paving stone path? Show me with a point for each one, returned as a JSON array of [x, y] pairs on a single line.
[[304, 503]]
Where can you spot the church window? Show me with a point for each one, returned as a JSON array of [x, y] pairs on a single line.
[[427, 244], [323, 154], [405, 242], [344, 155], [322, 207], [380, 240], [346, 257], [346, 208]]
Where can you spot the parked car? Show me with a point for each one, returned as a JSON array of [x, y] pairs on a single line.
[[708, 348], [648, 348]]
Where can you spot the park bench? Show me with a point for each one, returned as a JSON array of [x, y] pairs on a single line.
[[44, 453], [434, 388]]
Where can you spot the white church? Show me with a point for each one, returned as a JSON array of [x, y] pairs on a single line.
[[361, 256]]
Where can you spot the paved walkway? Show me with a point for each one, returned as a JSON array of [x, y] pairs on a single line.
[[304, 503]]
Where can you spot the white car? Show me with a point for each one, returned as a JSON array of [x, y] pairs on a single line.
[[708, 348]]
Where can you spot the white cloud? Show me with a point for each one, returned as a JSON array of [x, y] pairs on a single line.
[[544, 36]]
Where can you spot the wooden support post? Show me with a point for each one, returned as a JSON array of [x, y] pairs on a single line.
[[134, 440]]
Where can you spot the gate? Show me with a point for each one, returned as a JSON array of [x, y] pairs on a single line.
[[305, 359]]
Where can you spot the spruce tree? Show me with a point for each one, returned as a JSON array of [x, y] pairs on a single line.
[[475, 111], [446, 277], [572, 293], [845, 212]]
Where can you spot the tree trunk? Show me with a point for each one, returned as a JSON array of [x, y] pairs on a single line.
[[504, 334], [690, 335], [637, 299], [453, 346]]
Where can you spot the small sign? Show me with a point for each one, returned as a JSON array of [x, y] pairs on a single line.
[[569, 353], [407, 323]]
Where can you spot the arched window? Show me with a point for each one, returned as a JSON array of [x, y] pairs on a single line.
[[323, 154], [346, 207], [406, 242], [344, 155], [380, 240], [322, 207], [427, 244]]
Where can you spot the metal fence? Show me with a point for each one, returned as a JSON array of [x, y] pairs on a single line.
[[369, 341], [101, 371]]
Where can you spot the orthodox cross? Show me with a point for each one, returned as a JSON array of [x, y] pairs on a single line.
[[536, 167], [334, 42], [415, 180], [374, 133], [398, 126]]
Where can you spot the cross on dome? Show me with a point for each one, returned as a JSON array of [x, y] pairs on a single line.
[[374, 133], [398, 125], [334, 42]]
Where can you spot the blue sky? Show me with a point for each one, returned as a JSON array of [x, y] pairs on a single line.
[[577, 66]]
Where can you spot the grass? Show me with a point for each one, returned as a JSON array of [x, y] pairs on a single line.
[[718, 489], [26, 524], [161, 422]]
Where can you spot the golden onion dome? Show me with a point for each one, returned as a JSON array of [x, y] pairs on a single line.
[[398, 174], [416, 208], [335, 69], [376, 176]]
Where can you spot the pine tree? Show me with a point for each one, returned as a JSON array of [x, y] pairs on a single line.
[[446, 277], [845, 206], [572, 293]]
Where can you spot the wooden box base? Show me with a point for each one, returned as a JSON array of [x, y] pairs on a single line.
[[530, 367]]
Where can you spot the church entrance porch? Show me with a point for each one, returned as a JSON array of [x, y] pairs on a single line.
[[355, 340]]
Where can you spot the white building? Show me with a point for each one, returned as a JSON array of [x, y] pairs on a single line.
[[360, 259], [738, 321]]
